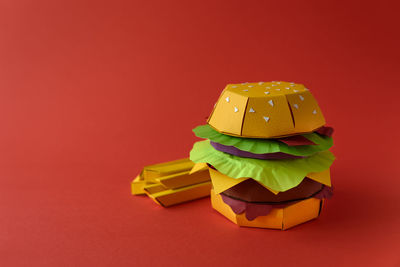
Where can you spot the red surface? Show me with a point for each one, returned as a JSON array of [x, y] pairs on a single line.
[[90, 91]]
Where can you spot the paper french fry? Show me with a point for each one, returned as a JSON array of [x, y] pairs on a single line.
[[172, 182], [176, 196], [154, 188], [137, 186], [182, 179], [151, 172]]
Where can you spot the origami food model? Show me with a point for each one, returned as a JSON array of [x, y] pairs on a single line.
[[267, 154], [172, 182]]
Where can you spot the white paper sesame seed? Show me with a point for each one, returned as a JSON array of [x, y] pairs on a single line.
[[267, 93], [314, 112], [236, 109], [234, 86], [266, 119], [268, 87], [301, 97], [287, 88], [274, 85], [271, 102], [295, 90], [227, 99], [296, 106], [251, 110], [245, 90], [278, 89]]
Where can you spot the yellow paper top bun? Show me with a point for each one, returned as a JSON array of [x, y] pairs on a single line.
[[266, 110]]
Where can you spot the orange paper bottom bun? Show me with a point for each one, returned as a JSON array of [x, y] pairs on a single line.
[[283, 218]]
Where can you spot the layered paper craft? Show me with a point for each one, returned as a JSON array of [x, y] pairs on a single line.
[[266, 160], [278, 175], [265, 146], [222, 182], [267, 153], [172, 182], [253, 192], [245, 154]]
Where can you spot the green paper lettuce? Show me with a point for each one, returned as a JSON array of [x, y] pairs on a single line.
[[263, 146], [279, 175]]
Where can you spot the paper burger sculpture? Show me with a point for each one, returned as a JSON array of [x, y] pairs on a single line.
[[267, 154], [265, 161]]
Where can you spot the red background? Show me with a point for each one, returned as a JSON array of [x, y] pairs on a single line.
[[91, 91]]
